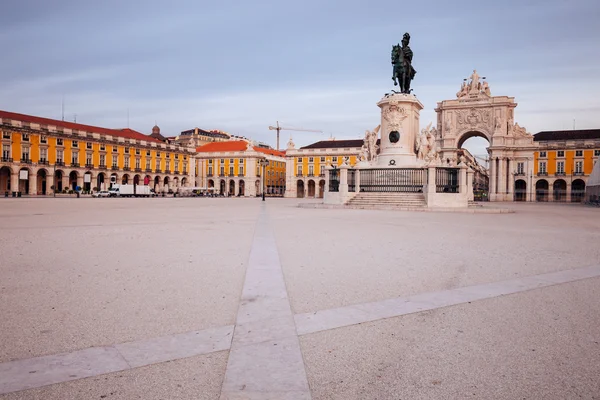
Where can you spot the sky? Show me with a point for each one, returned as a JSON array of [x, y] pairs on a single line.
[[240, 66]]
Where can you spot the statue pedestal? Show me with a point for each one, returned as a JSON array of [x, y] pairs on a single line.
[[399, 128]]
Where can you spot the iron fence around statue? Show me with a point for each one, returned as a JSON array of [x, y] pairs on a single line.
[[408, 180], [334, 180], [446, 180], [352, 180]]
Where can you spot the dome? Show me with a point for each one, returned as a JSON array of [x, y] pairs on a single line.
[[155, 129]]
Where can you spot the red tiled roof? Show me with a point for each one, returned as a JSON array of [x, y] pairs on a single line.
[[235, 145], [126, 133]]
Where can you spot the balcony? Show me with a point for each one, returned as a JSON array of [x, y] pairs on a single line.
[[176, 172], [43, 161], [300, 175], [26, 161], [311, 175], [114, 168], [578, 173], [158, 170], [167, 171], [126, 168], [59, 163], [209, 175], [138, 170], [240, 175], [559, 174], [75, 164], [102, 166], [542, 174], [222, 175], [7, 159], [148, 169], [89, 166]]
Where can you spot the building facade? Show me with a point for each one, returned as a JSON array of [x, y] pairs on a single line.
[[197, 137], [235, 168], [42, 156], [305, 169]]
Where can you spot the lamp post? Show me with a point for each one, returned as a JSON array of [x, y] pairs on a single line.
[[263, 163]]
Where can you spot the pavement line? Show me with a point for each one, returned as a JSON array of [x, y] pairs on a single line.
[[265, 361], [359, 313], [47, 370]]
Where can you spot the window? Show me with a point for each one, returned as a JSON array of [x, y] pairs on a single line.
[[88, 145], [310, 170], [126, 150], [88, 159], [138, 163], [147, 153], [520, 168], [5, 135], [5, 151], [102, 160], [222, 160], [560, 153], [209, 162], [578, 153], [126, 162], [231, 160], [177, 156], [579, 167], [25, 154], [241, 170], [596, 153], [231, 170], [310, 159], [210, 170], [147, 163], [542, 154], [114, 149], [560, 167], [43, 155], [59, 156], [334, 159], [102, 147], [74, 143], [158, 154], [25, 137], [115, 161], [241, 160], [59, 142], [43, 139], [137, 152], [299, 170], [323, 159], [168, 165], [299, 159], [157, 164], [222, 171], [75, 157], [542, 167]]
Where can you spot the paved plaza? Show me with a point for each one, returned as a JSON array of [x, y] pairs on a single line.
[[233, 298]]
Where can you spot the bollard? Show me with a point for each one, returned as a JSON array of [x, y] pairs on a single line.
[[18, 194], [14, 194]]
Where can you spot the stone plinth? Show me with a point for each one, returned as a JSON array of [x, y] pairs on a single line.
[[399, 128]]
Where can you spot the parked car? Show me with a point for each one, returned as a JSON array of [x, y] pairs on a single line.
[[102, 193]]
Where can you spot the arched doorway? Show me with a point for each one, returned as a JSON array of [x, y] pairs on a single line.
[[232, 188], [166, 184], [577, 190], [300, 189], [24, 177], [559, 190], [211, 184], [147, 180], [520, 190], [311, 188], [473, 145], [73, 180], [156, 183], [125, 179], [321, 188], [183, 182], [58, 181], [176, 182], [541, 190], [87, 181], [101, 181], [222, 187], [5, 173], [114, 179], [242, 189], [41, 182], [136, 180]]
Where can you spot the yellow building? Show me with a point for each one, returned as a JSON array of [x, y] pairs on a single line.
[[562, 163], [305, 175], [235, 168], [41, 156]]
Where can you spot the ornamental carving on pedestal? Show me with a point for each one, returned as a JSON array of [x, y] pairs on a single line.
[[394, 115], [474, 118]]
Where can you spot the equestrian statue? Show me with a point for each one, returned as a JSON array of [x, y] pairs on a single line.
[[403, 71]]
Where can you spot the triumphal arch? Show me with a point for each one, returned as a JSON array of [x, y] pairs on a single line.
[[475, 112]]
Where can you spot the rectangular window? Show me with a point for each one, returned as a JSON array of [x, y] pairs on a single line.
[[299, 159], [147, 153], [241, 160], [241, 170], [25, 137], [126, 162], [334, 159], [222, 172], [25, 154], [310, 170], [560, 153], [59, 156], [520, 168], [542, 154], [299, 170], [231, 170], [115, 161], [168, 166], [138, 163], [137, 152], [75, 157], [177, 156], [560, 167], [74, 143], [222, 160], [210, 170], [88, 159], [43, 139], [102, 160], [59, 142], [209, 162], [157, 164], [542, 167], [88, 145], [126, 150], [5, 151], [323, 159], [43, 155], [5, 135], [158, 154], [310, 159], [579, 167], [102, 147], [578, 153], [115, 149], [231, 160]]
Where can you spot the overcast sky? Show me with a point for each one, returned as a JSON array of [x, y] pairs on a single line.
[[240, 66]]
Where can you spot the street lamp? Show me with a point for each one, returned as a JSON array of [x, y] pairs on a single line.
[[263, 163]]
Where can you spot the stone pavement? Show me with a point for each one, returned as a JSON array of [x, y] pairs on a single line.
[[240, 299]]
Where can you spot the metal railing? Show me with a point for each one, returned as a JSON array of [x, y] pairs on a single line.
[[352, 180], [7, 159], [334, 180], [26, 161], [410, 180], [446, 180]]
